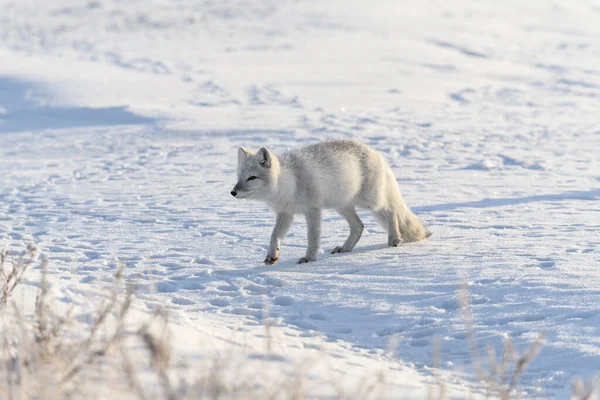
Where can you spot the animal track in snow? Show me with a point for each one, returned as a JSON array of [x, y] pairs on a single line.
[[258, 314], [283, 301], [545, 262], [220, 302], [419, 342], [256, 289], [182, 301], [317, 316]]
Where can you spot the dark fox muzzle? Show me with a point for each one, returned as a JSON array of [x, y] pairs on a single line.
[[235, 189]]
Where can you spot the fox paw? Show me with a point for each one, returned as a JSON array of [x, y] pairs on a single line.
[[339, 249], [395, 242], [304, 260], [271, 259]]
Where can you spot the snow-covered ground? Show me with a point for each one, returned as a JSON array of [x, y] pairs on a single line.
[[119, 124]]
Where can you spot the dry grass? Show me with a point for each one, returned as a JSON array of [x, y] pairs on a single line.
[[45, 355], [498, 377], [583, 391], [48, 354], [501, 375]]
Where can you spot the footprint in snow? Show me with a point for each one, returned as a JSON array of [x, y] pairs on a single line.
[[283, 301], [204, 261], [92, 255], [87, 279], [182, 302], [546, 263], [421, 333], [255, 289], [317, 317], [258, 314], [576, 250], [165, 287], [227, 288], [419, 342], [274, 282], [219, 302], [257, 306], [450, 305]]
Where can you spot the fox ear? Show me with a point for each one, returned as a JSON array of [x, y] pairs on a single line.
[[242, 155], [264, 157]]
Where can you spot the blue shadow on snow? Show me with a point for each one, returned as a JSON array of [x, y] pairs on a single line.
[[19, 111], [592, 194]]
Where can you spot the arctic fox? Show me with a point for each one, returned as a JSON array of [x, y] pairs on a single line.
[[336, 174]]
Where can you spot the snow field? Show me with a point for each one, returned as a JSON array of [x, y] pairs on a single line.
[[118, 133]]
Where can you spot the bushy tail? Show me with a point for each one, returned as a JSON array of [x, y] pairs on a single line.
[[411, 228]]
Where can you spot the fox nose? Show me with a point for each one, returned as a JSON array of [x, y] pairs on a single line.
[[233, 193]]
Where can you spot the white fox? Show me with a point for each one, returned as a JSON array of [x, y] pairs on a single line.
[[337, 174]]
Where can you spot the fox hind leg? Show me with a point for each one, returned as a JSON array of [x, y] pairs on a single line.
[[356, 229], [313, 222], [388, 217]]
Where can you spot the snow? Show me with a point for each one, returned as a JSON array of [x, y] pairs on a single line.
[[119, 124]]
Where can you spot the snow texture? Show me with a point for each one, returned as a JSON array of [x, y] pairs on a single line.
[[119, 124]]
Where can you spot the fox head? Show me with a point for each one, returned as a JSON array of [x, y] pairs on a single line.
[[256, 174]]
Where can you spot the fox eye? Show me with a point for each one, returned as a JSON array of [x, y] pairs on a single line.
[[252, 178]]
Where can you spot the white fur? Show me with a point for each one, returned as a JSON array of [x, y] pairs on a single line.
[[336, 174]]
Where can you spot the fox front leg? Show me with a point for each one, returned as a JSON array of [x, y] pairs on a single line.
[[282, 225]]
